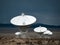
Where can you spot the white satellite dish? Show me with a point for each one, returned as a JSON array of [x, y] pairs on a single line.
[[23, 20], [40, 29], [18, 33], [48, 32]]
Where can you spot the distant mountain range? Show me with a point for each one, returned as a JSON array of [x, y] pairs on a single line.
[[31, 26]]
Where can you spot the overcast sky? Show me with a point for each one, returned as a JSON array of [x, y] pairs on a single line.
[[46, 11]]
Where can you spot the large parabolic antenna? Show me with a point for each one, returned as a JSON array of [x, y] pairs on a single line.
[[23, 20]]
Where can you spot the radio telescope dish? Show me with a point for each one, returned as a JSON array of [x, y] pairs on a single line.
[[23, 20]]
